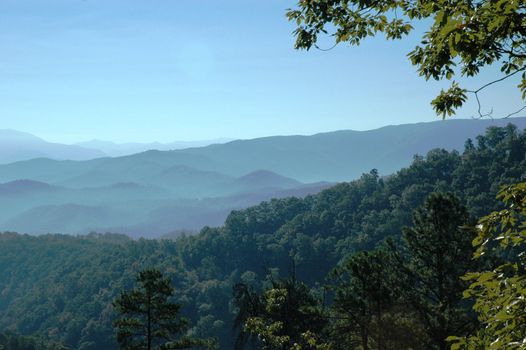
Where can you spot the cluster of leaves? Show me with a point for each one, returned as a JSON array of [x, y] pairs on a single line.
[[62, 287], [463, 36], [286, 316], [500, 291]]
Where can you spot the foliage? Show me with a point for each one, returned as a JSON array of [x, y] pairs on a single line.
[[148, 319], [463, 36], [368, 310], [286, 316], [410, 295], [500, 292], [11, 341], [439, 252]]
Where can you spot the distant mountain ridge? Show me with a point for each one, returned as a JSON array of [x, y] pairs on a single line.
[[17, 146], [333, 156], [342, 155], [155, 192], [114, 149]]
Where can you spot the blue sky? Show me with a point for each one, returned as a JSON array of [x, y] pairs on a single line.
[[163, 70]]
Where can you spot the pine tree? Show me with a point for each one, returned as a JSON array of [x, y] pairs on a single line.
[[439, 252], [368, 312], [148, 319]]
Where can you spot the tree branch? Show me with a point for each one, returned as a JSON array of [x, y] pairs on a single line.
[[479, 105]]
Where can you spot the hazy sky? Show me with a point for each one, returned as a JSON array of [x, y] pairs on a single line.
[[144, 70]]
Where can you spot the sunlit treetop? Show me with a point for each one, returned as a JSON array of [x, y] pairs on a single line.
[[464, 36]]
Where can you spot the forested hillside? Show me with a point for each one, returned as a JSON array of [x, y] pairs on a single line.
[[61, 287]]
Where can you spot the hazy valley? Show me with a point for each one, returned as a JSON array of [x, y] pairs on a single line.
[[153, 193]]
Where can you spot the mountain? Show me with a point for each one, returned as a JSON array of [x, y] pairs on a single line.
[[155, 192], [145, 200], [129, 208], [24, 186], [264, 179], [17, 146], [52, 282], [342, 155], [185, 181], [334, 156], [113, 149]]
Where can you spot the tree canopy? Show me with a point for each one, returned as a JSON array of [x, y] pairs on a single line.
[[148, 318], [464, 36]]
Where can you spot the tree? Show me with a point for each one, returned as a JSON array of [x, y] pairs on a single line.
[[464, 36], [148, 319], [500, 292], [367, 310], [438, 253], [286, 316]]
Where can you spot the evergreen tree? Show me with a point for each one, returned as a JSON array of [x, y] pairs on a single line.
[[148, 319], [367, 311], [439, 252]]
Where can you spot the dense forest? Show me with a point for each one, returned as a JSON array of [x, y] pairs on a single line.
[[351, 261]]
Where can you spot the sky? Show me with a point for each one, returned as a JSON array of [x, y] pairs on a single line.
[[165, 70]]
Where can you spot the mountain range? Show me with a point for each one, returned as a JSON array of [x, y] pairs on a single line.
[[114, 149], [18, 146], [155, 192]]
